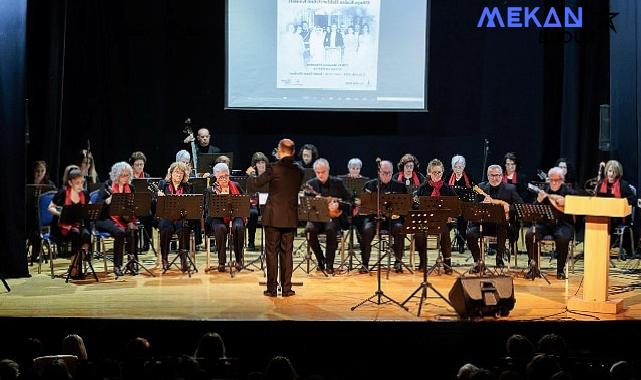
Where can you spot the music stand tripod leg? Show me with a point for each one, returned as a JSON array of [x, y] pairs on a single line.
[[4, 282]]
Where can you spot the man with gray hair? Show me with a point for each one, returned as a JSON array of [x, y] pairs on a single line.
[[562, 230], [326, 186]]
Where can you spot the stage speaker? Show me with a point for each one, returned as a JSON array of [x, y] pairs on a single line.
[[604, 127], [482, 296]]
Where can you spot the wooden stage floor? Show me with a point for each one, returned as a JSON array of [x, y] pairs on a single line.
[[217, 296]]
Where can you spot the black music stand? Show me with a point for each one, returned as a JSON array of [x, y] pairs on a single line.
[[181, 207], [315, 210], [355, 187], [198, 185], [142, 185], [308, 173], [379, 297], [207, 161], [535, 214], [262, 199], [228, 206], [131, 205], [481, 213], [4, 282], [80, 213]]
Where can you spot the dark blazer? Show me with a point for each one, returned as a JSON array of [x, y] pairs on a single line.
[[563, 191], [285, 178], [339, 40], [105, 192], [334, 187], [392, 186], [506, 192], [426, 190]]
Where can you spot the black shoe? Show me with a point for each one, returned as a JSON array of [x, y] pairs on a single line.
[[499, 263], [448, 270], [363, 270], [118, 272], [165, 264], [251, 247], [561, 276], [321, 264], [288, 293], [398, 267], [270, 293], [330, 271], [221, 268], [145, 247]]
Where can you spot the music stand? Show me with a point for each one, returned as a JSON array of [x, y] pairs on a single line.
[[228, 206], [308, 173], [141, 185], [79, 213], [355, 187], [181, 207], [241, 180], [262, 200], [314, 210], [535, 214], [198, 185], [379, 297], [4, 282], [207, 161], [131, 205], [481, 213]]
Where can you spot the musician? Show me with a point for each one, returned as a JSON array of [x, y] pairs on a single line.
[[184, 157], [203, 145], [137, 162], [223, 159], [88, 168], [408, 173], [568, 172], [434, 187], [280, 216], [65, 173], [614, 185], [562, 230], [354, 167], [513, 174], [460, 180], [387, 186], [259, 163], [498, 192], [41, 175], [308, 154], [122, 229], [220, 226], [326, 186], [77, 234]]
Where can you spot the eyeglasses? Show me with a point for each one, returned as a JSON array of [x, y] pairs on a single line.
[[436, 172], [224, 176], [495, 175], [386, 173], [555, 180]]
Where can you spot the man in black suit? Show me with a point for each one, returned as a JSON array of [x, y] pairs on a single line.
[[203, 137], [496, 189], [325, 186], [387, 186], [280, 215]]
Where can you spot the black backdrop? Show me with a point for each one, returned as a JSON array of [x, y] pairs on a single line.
[[126, 74]]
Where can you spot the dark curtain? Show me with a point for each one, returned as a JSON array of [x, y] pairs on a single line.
[[13, 24]]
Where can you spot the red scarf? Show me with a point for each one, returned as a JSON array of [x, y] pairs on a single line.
[[436, 192], [415, 180], [142, 175], [514, 178], [65, 228], [173, 191], [120, 222], [234, 191], [616, 187], [452, 180]]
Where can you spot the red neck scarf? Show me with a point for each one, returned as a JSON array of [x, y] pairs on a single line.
[[452, 180], [120, 221], [616, 187], [141, 175], [233, 190], [436, 191], [172, 190], [514, 178], [65, 228], [415, 179]]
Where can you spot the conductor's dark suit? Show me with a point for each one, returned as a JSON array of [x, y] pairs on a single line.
[[280, 218]]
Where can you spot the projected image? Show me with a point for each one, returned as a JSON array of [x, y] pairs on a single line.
[[327, 46]]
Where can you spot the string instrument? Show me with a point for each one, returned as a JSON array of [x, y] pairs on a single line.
[[189, 131], [535, 189], [333, 212], [493, 201]]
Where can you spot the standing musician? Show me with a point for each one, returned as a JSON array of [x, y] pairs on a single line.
[[175, 183], [387, 186], [408, 173], [459, 178], [434, 187], [137, 162], [219, 226], [259, 163], [553, 194], [326, 186], [120, 228], [203, 137], [280, 216], [79, 236], [498, 192], [307, 154]]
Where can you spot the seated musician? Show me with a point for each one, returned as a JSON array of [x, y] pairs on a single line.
[[562, 230], [259, 163], [184, 157], [387, 186], [512, 174], [120, 228], [220, 226], [498, 192], [434, 187], [408, 173], [40, 177], [175, 183], [354, 167], [308, 154], [326, 186], [460, 180], [568, 172], [77, 234], [137, 162]]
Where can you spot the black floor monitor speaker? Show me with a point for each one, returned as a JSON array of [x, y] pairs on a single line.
[[483, 296]]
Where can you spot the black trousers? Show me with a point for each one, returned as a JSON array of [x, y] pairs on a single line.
[[122, 237], [167, 229], [78, 238], [279, 248], [420, 238], [562, 234], [473, 234], [369, 231], [252, 223], [330, 229], [218, 227]]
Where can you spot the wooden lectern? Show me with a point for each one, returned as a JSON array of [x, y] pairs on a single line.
[[596, 250]]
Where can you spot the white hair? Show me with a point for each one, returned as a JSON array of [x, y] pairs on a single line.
[[456, 159], [556, 170], [220, 167], [354, 162], [386, 162], [321, 162], [182, 154], [118, 168], [492, 167]]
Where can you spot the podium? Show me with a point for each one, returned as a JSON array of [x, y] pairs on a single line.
[[598, 212]]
